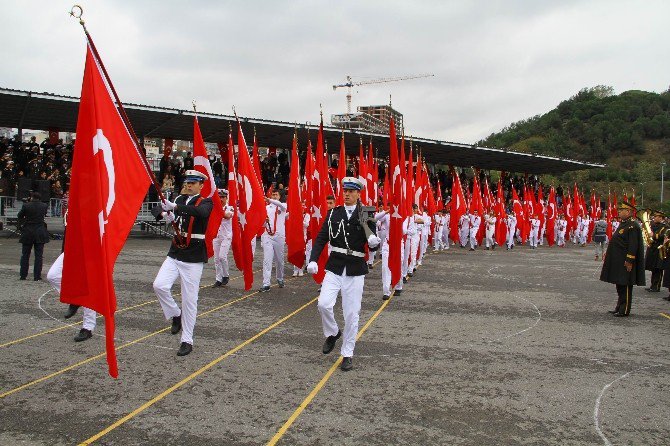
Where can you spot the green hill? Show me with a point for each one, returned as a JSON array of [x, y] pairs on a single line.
[[629, 132]]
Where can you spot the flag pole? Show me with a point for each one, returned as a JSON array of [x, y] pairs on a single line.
[[122, 111]]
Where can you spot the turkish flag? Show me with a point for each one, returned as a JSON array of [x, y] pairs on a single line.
[[341, 173], [551, 217], [457, 206], [609, 216], [396, 202], [295, 238], [501, 223], [321, 186], [517, 207], [209, 190], [251, 210], [363, 176], [101, 209], [256, 161], [233, 194]]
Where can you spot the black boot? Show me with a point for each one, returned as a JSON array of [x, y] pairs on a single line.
[[329, 343], [71, 311], [184, 349], [176, 325], [346, 365], [83, 335]]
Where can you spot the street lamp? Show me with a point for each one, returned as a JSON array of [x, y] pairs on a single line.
[[642, 189], [662, 169]]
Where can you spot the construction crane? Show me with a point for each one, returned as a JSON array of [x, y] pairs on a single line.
[[350, 83]]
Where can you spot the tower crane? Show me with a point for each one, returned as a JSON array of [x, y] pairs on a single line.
[[350, 83]]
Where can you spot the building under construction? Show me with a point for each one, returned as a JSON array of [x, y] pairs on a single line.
[[372, 118]]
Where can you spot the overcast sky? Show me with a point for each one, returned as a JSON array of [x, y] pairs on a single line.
[[494, 62]]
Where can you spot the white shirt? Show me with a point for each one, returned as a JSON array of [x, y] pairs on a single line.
[[226, 227], [475, 221], [279, 209]]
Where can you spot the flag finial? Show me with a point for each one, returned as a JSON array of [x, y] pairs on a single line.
[[76, 12], [194, 106]]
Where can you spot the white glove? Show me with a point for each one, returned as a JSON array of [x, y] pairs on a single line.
[[373, 241], [168, 216], [167, 205], [313, 268]]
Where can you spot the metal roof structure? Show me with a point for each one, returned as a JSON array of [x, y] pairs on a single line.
[[43, 111]]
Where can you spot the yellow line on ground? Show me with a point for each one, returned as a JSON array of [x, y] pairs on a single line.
[[280, 433], [192, 376], [121, 310], [127, 344], [667, 316]]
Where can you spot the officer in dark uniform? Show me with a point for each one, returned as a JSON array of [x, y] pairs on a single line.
[[652, 259], [186, 257], [33, 234], [624, 259], [346, 267]]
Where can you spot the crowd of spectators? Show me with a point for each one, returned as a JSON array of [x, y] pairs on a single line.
[[32, 166]]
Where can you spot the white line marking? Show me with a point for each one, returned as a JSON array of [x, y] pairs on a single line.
[[596, 410]]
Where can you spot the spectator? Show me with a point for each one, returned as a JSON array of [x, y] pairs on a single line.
[[33, 234]]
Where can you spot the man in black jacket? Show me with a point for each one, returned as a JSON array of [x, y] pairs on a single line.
[[624, 259], [33, 234], [346, 268], [186, 257], [652, 260]]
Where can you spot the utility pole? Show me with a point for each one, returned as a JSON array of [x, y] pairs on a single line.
[[642, 189], [662, 171]]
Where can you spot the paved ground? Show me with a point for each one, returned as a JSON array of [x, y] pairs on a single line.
[[483, 348]]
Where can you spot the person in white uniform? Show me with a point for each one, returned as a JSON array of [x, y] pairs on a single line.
[[475, 222], [414, 240], [561, 228], [222, 241], [346, 268], [273, 241], [464, 228], [490, 229], [299, 272], [511, 229], [438, 242], [534, 231], [186, 258], [445, 229], [425, 235]]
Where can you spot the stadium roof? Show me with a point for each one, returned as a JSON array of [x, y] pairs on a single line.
[[43, 111]]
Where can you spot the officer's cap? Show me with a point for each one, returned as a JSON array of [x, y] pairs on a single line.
[[194, 175], [352, 183], [223, 192], [626, 205], [658, 213]]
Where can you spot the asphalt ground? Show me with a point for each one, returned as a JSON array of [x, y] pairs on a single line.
[[482, 348]]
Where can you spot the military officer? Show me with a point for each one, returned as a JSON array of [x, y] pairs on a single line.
[[186, 257], [624, 259], [345, 269], [652, 260]]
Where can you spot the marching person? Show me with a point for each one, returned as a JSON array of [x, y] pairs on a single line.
[[383, 221], [600, 237], [464, 228], [584, 229], [511, 229], [490, 230], [299, 272], [624, 259], [415, 239], [425, 235], [534, 231], [652, 260], [543, 220], [475, 223], [222, 241], [345, 269], [405, 272], [438, 243], [185, 258], [33, 234], [445, 229], [273, 241], [561, 228]]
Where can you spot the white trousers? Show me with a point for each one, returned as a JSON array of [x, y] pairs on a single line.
[[413, 251], [424, 246], [351, 288], [463, 235], [308, 253], [489, 237], [437, 239], [533, 237], [55, 276], [189, 274], [511, 232], [221, 249], [560, 238], [273, 252], [386, 271], [445, 237], [404, 265], [473, 237], [541, 239]]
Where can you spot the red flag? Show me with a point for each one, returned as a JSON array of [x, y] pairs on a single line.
[[201, 164], [321, 187], [255, 161], [102, 210], [551, 217], [371, 177], [395, 195], [615, 206], [341, 173], [233, 194], [632, 201], [457, 206], [363, 176], [518, 209], [251, 211], [440, 200], [609, 216], [295, 238], [501, 224]]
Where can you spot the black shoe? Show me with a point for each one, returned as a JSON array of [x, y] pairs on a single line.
[[404, 279], [225, 281], [71, 311], [371, 266], [410, 274], [493, 247], [612, 311], [617, 314], [346, 365], [83, 335], [329, 343], [487, 248], [414, 270], [218, 283], [36, 279], [22, 278], [386, 297], [184, 349], [280, 283], [397, 292], [472, 249], [667, 298], [264, 289], [176, 325]]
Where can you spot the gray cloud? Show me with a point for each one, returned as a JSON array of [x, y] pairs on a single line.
[[495, 61]]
